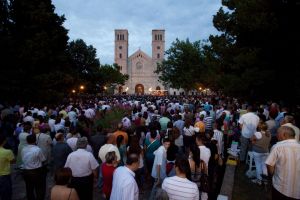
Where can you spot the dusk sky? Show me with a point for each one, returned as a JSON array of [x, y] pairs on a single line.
[[94, 21]]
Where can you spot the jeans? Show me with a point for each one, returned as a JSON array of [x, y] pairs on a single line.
[[5, 187], [261, 168], [244, 148]]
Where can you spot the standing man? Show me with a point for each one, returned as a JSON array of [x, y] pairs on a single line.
[[248, 123], [6, 158], [34, 172], [284, 164], [84, 169], [124, 185]]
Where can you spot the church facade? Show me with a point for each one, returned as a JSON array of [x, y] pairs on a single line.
[[139, 66]]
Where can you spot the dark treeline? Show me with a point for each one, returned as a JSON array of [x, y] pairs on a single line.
[[37, 62]]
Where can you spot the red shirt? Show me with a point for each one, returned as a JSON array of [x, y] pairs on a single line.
[[107, 173]]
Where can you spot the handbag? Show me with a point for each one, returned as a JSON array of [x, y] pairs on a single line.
[[204, 179]]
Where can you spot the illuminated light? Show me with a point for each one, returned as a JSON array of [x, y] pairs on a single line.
[[105, 88], [81, 87], [126, 89], [150, 89], [73, 91]]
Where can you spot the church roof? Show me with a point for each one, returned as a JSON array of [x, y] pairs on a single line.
[[139, 54]]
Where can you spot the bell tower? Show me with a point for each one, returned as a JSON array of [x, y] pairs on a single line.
[[121, 49], [158, 45]]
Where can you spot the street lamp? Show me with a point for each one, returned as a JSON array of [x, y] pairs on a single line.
[[81, 87], [73, 91]]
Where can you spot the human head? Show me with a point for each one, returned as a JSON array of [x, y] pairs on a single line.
[[166, 143], [285, 132], [182, 166], [82, 143], [132, 161], [31, 139], [110, 157], [63, 176]]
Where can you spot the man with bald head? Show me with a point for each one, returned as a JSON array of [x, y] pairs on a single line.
[[121, 131], [284, 164]]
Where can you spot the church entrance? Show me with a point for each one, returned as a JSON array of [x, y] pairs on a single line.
[[139, 89]]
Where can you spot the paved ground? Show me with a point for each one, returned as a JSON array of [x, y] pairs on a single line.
[[244, 189]]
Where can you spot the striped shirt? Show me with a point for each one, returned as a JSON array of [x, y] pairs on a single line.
[[285, 157], [180, 188], [218, 135]]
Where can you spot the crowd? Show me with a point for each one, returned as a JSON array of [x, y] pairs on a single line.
[[178, 144]]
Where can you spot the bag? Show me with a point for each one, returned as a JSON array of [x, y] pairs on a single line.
[[220, 161], [204, 183], [204, 179]]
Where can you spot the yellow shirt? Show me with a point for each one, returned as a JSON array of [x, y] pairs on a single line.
[[6, 156]]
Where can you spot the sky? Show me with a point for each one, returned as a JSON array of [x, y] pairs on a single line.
[[94, 21]]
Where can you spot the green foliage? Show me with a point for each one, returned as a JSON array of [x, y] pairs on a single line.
[[253, 54], [111, 118], [183, 67], [32, 46]]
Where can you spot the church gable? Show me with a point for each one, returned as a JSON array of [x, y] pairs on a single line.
[[140, 55]]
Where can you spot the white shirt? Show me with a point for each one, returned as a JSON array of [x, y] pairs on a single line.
[[204, 154], [179, 188], [218, 135], [285, 157], [160, 159], [72, 143], [124, 186], [81, 162], [249, 122], [32, 157]]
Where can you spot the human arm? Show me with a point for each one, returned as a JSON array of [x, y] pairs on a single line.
[[270, 169]]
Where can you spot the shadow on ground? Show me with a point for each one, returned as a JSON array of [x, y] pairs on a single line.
[[244, 189]]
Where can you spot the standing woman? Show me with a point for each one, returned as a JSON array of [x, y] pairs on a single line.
[[107, 170], [61, 190], [194, 160], [260, 147]]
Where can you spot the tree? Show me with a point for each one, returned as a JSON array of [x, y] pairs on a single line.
[[254, 45], [110, 76], [36, 67], [183, 67], [85, 65]]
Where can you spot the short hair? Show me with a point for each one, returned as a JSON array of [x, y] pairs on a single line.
[[31, 139], [165, 139], [287, 131], [183, 165], [110, 157], [132, 158], [161, 194], [289, 119], [63, 176]]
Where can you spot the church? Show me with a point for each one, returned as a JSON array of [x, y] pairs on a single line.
[[139, 66]]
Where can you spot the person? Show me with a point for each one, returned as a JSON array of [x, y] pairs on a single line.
[[260, 147], [6, 158], [23, 142], [194, 161], [284, 164], [122, 133], [124, 185], [61, 190], [290, 122], [151, 145], [107, 170], [160, 161], [34, 172], [179, 186], [60, 151], [248, 123], [84, 171]]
